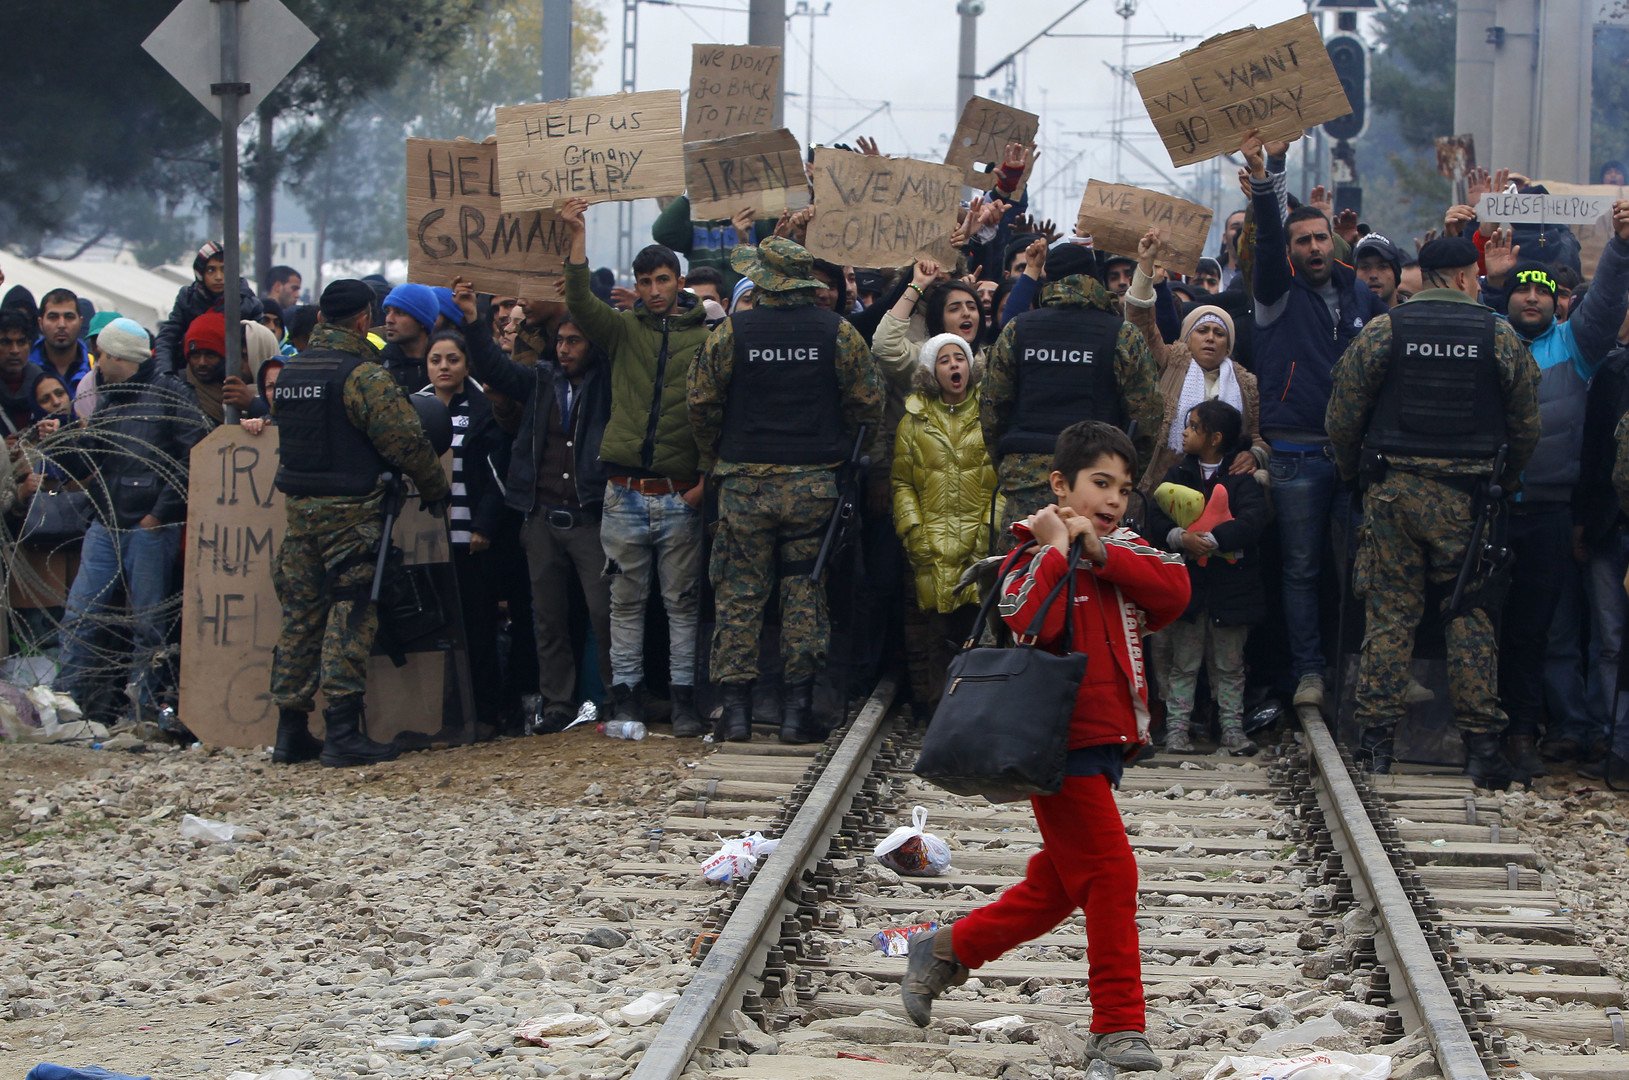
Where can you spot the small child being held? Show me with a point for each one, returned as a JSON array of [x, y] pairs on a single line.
[[1223, 567], [1086, 861]]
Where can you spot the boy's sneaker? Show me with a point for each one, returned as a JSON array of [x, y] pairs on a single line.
[[927, 975], [1127, 1051], [1235, 741], [1309, 691]]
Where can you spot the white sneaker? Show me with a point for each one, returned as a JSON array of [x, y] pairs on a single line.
[[1310, 691]]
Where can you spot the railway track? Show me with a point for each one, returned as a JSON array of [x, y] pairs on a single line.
[[1287, 899]]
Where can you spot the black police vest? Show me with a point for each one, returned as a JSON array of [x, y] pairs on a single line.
[[785, 407], [1441, 397], [1064, 360], [322, 453]]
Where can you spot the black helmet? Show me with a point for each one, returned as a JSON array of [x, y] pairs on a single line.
[[436, 421]]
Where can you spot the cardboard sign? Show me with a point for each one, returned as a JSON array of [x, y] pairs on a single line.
[[1116, 216], [1593, 236], [882, 212], [456, 227], [763, 170], [982, 135], [1456, 156], [603, 149], [1551, 209], [732, 90], [1278, 80], [230, 617]]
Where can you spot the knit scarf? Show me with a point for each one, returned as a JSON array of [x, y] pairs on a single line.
[[1193, 392], [209, 398]]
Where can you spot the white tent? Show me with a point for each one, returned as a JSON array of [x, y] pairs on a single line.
[[143, 295]]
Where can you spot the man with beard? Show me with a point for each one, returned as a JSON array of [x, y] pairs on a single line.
[[1541, 526], [1308, 308], [1379, 265], [17, 375], [410, 314], [59, 348]]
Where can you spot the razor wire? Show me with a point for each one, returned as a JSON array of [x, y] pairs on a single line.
[[80, 463]]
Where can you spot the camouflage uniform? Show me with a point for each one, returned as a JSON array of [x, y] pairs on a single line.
[[1023, 477], [1417, 526], [332, 541], [769, 513]]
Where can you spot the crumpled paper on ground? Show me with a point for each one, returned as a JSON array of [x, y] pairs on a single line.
[[564, 1029]]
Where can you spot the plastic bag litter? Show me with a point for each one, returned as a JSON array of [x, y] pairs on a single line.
[[1000, 1023], [737, 858], [45, 1070], [909, 850], [26, 671], [564, 1029], [646, 1007], [415, 1043], [1323, 1065], [18, 717], [274, 1074], [896, 940], [210, 832]]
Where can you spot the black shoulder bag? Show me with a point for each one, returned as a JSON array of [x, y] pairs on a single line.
[[1002, 726]]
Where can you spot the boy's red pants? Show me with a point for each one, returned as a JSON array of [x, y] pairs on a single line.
[[1086, 862]]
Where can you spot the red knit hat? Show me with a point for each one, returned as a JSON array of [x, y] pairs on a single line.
[[208, 331]]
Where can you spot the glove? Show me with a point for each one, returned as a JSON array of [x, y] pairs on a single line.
[[436, 508]]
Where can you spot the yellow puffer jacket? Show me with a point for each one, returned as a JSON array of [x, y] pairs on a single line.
[[943, 481]]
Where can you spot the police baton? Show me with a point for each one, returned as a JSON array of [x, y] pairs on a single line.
[[1476, 554]]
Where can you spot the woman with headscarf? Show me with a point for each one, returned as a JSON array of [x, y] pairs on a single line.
[[1197, 367]]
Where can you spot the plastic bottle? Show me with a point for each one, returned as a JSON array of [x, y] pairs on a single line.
[[623, 729]]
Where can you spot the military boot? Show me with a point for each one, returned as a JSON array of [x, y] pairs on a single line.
[[627, 703], [344, 744], [735, 725], [1525, 762], [797, 713], [1485, 761], [687, 724], [295, 743], [1375, 748]]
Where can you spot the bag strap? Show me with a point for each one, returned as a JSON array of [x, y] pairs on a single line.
[[1075, 553]]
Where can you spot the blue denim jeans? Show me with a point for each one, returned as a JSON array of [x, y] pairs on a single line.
[[637, 531], [1305, 498], [1608, 608], [1568, 705], [141, 563]]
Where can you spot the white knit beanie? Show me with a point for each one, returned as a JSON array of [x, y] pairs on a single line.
[[929, 356], [124, 339]]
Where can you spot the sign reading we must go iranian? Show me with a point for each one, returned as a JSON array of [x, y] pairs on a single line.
[[604, 149], [1276, 80]]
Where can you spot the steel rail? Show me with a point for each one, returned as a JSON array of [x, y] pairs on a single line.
[[745, 938], [1426, 1003]]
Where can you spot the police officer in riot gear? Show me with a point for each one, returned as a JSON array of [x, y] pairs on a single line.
[[1074, 358], [1422, 404], [776, 397], [343, 423]]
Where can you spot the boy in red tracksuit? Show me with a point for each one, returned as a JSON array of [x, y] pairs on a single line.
[[1123, 588]]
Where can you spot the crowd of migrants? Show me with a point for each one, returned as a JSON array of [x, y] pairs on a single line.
[[1317, 398]]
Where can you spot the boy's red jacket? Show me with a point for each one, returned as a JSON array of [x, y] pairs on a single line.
[[1139, 590]]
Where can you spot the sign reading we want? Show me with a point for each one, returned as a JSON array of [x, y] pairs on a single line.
[[1276, 80]]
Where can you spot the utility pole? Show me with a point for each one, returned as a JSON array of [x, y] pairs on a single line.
[[806, 9], [556, 53], [231, 93], [1125, 9], [766, 25], [630, 70], [967, 51]]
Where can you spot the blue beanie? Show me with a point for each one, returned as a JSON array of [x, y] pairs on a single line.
[[740, 287], [418, 301], [447, 305]]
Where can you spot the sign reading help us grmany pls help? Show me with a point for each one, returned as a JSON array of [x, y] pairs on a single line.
[[604, 149]]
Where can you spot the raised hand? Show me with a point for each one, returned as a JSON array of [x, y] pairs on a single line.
[[741, 220], [868, 147], [571, 212], [1255, 154], [1048, 229], [925, 273], [1035, 258], [1015, 156], [1147, 248], [1500, 256], [1478, 182], [1346, 223], [1457, 217], [463, 291], [1421, 241], [1620, 219], [1322, 199], [1278, 147]]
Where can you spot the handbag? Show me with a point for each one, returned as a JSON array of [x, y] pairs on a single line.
[[1002, 726], [54, 518]]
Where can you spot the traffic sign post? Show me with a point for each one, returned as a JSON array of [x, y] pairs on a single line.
[[209, 35]]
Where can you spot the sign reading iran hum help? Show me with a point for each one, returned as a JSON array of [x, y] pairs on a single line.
[[1277, 80], [604, 149]]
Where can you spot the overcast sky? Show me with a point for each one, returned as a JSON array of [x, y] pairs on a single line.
[[899, 56]]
